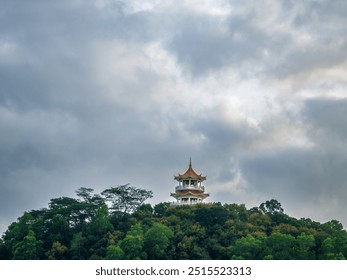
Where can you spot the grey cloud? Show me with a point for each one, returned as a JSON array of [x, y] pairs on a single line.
[[323, 24], [201, 45], [58, 131], [204, 43], [64, 125], [327, 117], [307, 176], [286, 172], [300, 179]]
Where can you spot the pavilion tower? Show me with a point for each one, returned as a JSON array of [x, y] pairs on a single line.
[[189, 190]]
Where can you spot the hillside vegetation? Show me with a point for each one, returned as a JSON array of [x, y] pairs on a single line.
[[116, 224]]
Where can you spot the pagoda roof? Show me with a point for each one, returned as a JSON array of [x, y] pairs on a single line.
[[190, 174]]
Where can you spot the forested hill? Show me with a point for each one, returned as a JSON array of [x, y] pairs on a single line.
[[116, 224]]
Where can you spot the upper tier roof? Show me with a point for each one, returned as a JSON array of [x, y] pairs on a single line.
[[190, 174]]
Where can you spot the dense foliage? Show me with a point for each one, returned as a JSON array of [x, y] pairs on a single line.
[[117, 225]]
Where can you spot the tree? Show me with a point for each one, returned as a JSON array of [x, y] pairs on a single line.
[[77, 248], [86, 195], [28, 249], [144, 212], [332, 226], [237, 212], [215, 249], [271, 207], [100, 224], [97, 232], [3, 251], [57, 229], [84, 228], [57, 252], [71, 209], [91, 202], [160, 209], [98, 248], [16, 232], [286, 229], [114, 253], [184, 248], [157, 240], [126, 198], [132, 244], [211, 215], [280, 246], [304, 247], [330, 251], [247, 248], [260, 222]]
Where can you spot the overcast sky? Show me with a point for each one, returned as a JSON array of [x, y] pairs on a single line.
[[101, 93]]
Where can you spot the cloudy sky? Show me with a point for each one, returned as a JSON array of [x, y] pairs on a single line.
[[100, 93]]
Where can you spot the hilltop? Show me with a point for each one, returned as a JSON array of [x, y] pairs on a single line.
[[117, 224]]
